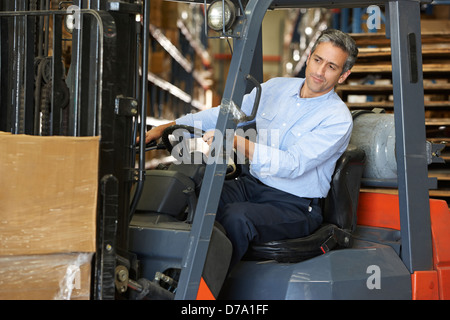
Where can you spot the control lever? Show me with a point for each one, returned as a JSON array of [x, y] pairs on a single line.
[[257, 98]]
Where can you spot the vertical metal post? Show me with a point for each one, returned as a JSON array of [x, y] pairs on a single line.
[[197, 247], [28, 86], [104, 285], [143, 104], [410, 133], [75, 94], [88, 110], [3, 52], [57, 72], [18, 69]]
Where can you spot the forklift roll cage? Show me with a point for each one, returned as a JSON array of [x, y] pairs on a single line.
[[116, 127], [413, 181]]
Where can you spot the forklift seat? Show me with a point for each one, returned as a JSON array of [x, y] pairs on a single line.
[[339, 217]]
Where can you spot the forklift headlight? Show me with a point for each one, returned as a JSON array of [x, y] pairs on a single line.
[[221, 13]]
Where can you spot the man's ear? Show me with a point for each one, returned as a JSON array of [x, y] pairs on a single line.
[[344, 76]]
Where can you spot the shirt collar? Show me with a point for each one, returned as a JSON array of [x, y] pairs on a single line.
[[294, 90]]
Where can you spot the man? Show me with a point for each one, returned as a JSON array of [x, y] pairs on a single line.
[[303, 128]]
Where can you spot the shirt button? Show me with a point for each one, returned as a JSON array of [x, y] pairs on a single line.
[[298, 104], [284, 124], [299, 134], [309, 209]]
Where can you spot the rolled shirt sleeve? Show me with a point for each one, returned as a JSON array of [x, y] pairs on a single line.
[[205, 120]]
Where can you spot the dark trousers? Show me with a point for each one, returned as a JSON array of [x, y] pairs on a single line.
[[251, 211]]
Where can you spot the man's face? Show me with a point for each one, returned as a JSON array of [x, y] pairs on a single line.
[[324, 70]]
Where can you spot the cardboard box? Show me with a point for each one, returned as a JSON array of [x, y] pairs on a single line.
[[46, 277], [48, 194]]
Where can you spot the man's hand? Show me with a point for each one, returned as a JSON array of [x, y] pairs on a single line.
[[156, 132], [208, 137], [241, 144]]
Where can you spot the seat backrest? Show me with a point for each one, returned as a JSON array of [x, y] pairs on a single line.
[[341, 203]]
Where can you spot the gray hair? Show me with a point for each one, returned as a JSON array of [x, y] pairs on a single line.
[[340, 40]]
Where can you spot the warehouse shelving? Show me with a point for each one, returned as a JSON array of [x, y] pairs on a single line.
[[370, 87]]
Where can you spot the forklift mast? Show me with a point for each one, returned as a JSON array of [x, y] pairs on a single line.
[[96, 93], [104, 93]]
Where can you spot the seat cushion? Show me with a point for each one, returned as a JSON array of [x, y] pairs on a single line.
[[324, 239]]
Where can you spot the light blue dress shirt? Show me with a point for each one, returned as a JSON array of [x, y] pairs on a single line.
[[299, 139]]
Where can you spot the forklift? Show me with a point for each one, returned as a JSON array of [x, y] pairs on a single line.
[[342, 259], [157, 237]]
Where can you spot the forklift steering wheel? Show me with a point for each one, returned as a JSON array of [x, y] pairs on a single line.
[[233, 169], [168, 131]]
